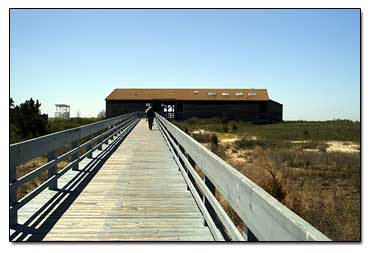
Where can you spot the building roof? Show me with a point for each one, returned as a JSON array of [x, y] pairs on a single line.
[[62, 105], [190, 94]]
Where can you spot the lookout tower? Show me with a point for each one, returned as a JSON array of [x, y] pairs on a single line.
[[62, 111]]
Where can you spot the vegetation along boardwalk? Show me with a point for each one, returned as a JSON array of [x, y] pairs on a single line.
[[130, 183]]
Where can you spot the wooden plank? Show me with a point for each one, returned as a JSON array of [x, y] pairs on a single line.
[[35, 216], [191, 173], [267, 218], [138, 194]]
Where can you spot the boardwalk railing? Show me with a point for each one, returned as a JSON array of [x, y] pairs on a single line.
[[263, 216], [97, 133]]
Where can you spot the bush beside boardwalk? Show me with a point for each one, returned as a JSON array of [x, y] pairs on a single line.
[[297, 163], [27, 122]]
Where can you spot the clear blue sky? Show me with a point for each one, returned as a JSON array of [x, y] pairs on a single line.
[[309, 60]]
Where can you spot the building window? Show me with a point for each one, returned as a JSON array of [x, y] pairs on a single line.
[[252, 94], [239, 94], [212, 93], [225, 94]]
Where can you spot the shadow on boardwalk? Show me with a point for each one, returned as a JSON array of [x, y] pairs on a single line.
[[41, 222]]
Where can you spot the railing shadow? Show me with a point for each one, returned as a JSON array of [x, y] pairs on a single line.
[[42, 221]]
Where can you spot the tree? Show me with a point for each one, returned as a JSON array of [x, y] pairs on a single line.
[[101, 114], [26, 120], [78, 114], [11, 103]]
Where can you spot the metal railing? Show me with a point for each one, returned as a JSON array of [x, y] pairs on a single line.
[[99, 133], [263, 216]]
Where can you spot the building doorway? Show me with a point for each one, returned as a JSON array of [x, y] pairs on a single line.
[[168, 109]]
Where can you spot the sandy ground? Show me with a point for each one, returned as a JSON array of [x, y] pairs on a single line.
[[343, 146], [201, 131], [299, 141], [229, 140], [236, 157], [334, 146]]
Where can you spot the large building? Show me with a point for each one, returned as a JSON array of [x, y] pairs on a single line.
[[242, 104]]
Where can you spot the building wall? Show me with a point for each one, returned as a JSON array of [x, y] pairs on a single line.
[[275, 111], [223, 109], [237, 110], [117, 108]]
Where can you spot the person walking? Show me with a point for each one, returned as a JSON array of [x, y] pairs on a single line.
[[150, 114]]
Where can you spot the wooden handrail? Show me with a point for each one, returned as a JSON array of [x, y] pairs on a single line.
[[264, 217], [24, 151]]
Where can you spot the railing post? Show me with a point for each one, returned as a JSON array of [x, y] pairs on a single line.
[[89, 146], [112, 134], [106, 135], [192, 179], [188, 173], [178, 155], [248, 235], [52, 171], [75, 156], [209, 207], [13, 214], [99, 140]]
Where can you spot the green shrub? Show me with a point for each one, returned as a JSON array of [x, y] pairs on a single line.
[[244, 143], [214, 139], [225, 129], [192, 121], [214, 143], [201, 137], [306, 133], [323, 147], [310, 145], [264, 143], [225, 120]]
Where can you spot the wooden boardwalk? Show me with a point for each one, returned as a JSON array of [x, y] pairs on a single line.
[[138, 194], [134, 184]]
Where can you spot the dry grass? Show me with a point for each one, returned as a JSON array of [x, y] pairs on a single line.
[[311, 176], [39, 161], [29, 167], [323, 188]]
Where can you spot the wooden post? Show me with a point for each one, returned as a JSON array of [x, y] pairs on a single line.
[[189, 174], [13, 215], [105, 136], [52, 171], [76, 155], [178, 155], [89, 146], [193, 164], [112, 135], [99, 141], [209, 207], [248, 235]]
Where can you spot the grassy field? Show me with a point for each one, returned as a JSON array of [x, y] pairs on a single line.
[[311, 167], [56, 124]]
